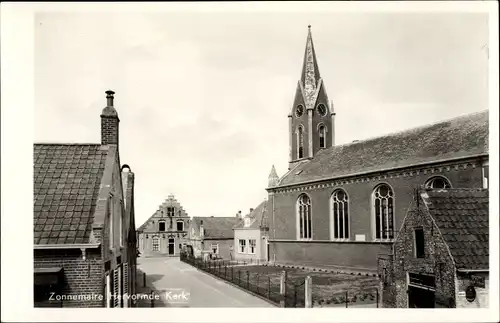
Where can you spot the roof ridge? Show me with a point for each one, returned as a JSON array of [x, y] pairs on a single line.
[[407, 130]]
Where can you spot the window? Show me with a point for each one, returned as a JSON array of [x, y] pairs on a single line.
[[419, 243], [322, 136], [252, 244], [156, 244], [215, 249], [170, 211], [340, 215], [161, 226], [486, 174], [383, 203], [243, 246], [180, 226], [300, 142], [437, 182], [304, 217]]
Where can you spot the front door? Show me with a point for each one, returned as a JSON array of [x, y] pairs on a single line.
[[171, 246]]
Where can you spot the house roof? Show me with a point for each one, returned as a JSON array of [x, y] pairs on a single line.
[[462, 218], [217, 227], [67, 180], [258, 217], [420, 145]]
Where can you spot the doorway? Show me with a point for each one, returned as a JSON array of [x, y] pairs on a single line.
[[171, 246], [421, 290], [420, 297]]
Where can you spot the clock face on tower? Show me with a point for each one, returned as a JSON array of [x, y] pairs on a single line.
[[299, 111], [321, 109]]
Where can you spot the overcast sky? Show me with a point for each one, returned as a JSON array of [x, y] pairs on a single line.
[[203, 99]]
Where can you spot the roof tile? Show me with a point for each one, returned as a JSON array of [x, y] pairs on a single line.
[[462, 217], [66, 182]]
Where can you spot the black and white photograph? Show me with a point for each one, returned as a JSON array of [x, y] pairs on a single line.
[[247, 158]]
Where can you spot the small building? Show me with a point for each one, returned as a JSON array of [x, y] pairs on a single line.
[[440, 256], [165, 232], [84, 230], [251, 234], [212, 236]]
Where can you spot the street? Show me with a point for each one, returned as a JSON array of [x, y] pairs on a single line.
[[181, 285]]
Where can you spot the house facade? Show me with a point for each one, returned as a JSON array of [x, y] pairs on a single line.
[[341, 205], [212, 237], [165, 232], [84, 231], [251, 234], [441, 253]]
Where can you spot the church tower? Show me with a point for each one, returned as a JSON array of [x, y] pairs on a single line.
[[312, 119]]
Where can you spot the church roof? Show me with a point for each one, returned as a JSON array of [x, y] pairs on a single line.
[[67, 180], [463, 136], [462, 218]]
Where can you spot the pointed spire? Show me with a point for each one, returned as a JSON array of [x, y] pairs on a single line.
[[273, 178], [310, 71]]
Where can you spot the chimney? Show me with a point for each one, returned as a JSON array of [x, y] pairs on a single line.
[[202, 230], [109, 122], [251, 210], [239, 214]]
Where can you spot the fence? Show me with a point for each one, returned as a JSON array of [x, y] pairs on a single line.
[[281, 291], [261, 285]]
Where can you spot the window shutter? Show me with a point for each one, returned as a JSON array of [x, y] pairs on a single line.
[[116, 288], [125, 285]]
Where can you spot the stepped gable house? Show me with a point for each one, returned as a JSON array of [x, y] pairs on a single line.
[[165, 232], [440, 256], [341, 205], [83, 225]]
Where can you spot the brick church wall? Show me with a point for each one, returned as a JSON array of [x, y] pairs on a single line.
[[283, 223]]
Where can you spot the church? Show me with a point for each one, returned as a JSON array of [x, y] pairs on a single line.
[[341, 206]]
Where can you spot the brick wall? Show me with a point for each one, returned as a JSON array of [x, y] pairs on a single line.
[[109, 130], [360, 208], [351, 255], [437, 261], [81, 277]]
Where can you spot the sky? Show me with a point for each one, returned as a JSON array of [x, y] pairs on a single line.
[[203, 98]]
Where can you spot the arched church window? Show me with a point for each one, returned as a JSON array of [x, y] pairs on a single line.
[[340, 214], [322, 136], [437, 182], [304, 218], [300, 142], [383, 204]]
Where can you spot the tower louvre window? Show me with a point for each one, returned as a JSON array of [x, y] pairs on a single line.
[[300, 142], [322, 136]]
